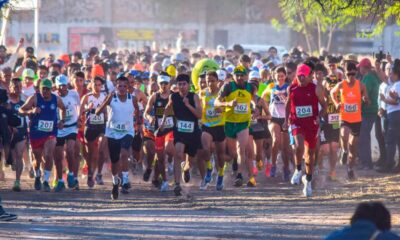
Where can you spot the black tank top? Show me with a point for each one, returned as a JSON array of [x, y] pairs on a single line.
[[159, 108], [183, 114]]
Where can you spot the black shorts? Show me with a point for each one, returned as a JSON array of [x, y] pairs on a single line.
[[217, 133], [137, 142], [62, 140], [280, 122], [17, 138], [192, 141], [115, 145], [93, 133], [328, 134], [355, 128]]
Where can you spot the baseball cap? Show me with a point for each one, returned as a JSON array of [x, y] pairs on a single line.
[[179, 57], [29, 50], [220, 47], [230, 68], [351, 58], [365, 62], [61, 80], [163, 79], [240, 70], [221, 75], [46, 83], [304, 70], [254, 74], [28, 73]]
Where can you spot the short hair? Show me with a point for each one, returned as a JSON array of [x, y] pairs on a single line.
[[280, 70], [375, 212], [183, 77], [238, 48], [320, 67], [98, 78], [244, 58], [213, 74], [43, 67], [291, 65], [79, 74]]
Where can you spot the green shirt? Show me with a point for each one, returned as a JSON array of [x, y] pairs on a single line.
[[371, 82]]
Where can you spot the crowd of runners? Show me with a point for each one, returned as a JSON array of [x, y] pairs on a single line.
[[88, 113]]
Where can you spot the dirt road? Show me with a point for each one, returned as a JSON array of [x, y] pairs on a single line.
[[272, 210]]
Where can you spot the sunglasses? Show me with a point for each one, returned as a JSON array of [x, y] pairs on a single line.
[[350, 74]]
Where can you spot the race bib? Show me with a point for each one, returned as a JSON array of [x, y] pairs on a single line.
[[68, 114], [241, 108], [333, 118], [96, 119], [304, 111], [185, 126], [350, 108], [45, 126], [119, 127], [169, 122], [211, 113]]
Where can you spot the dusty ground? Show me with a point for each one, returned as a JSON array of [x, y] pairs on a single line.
[[272, 210]]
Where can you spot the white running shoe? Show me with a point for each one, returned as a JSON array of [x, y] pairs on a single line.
[[307, 190], [164, 186], [296, 177], [203, 185]]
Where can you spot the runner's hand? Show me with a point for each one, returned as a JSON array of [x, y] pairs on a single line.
[[186, 101], [36, 110], [90, 106], [232, 103], [60, 125], [393, 94]]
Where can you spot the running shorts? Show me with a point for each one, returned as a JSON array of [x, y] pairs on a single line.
[[137, 142], [148, 135], [93, 133], [217, 133], [355, 128], [279, 121], [62, 140], [16, 139], [328, 134], [161, 140], [309, 132], [192, 141], [232, 129], [115, 145], [39, 142]]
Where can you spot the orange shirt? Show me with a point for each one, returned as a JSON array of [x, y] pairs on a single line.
[[350, 110]]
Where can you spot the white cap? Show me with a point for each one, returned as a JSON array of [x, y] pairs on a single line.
[[163, 78], [220, 47], [221, 75], [258, 63], [254, 74], [179, 57], [166, 62]]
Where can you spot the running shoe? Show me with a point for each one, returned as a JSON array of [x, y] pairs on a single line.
[[60, 187], [38, 184], [273, 171], [75, 184], [31, 173], [90, 182], [220, 183], [185, 173], [99, 179], [46, 186], [114, 191], [156, 183], [268, 167], [54, 183], [286, 175], [260, 165], [296, 177], [164, 186], [307, 190], [17, 186], [146, 175], [255, 169], [170, 169], [85, 170], [70, 181], [343, 157], [208, 177], [252, 182], [5, 217], [132, 163], [331, 177], [203, 185], [350, 175], [178, 190], [125, 188], [238, 181]]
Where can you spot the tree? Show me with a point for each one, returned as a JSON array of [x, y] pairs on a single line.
[[311, 19]]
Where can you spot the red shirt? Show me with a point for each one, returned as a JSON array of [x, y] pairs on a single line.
[[303, 105]]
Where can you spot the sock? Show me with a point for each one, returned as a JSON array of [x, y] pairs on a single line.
[[46, 176], [221, 172], [209, 165], [115, 179], [125, 177], [298, 167], [38, 173], [309, 177]]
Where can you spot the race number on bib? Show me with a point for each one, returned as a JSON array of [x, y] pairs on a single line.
[[333, 118], [350, 108], [304, 111], [211, 113], [119, 127], [241, 108], [185, 126], [96, 119], [45, 126], [169, 122]]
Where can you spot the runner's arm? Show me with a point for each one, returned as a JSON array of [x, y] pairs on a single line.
[[106, 102], [287, 107], [149, 108], [364, 94], [197, 111], [83, 108], [334, 93], [135, 104], [61, 106], [321, 99], [221, 101], [167, 110], [28, 107]]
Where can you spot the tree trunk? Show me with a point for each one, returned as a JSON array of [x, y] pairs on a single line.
[[306, 33], [332, 28], [319, 34]]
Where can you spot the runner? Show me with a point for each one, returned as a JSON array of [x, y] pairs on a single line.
[[236, 97], [164, 138], [18, 141], [186, 107], [67, 136], [94, 130], [42, 108], [212, 131], [302, 115], [280, 136], [352, 92], [120, 132]]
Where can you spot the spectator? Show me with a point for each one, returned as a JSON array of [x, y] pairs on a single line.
[[9, 62]]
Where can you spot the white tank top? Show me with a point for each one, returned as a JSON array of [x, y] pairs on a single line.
[[94, 119], [120, 121], [71, 102]]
